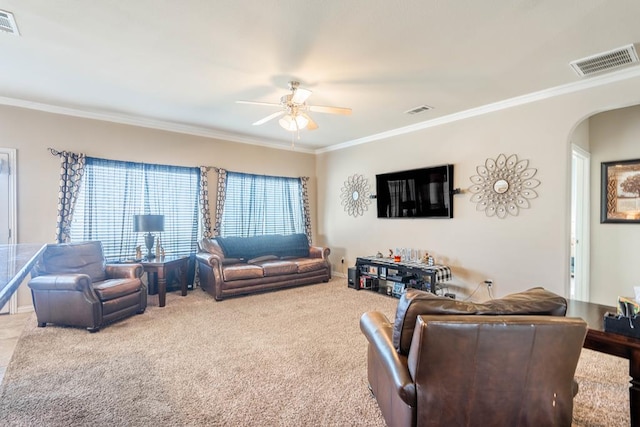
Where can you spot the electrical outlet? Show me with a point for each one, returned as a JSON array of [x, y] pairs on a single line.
[[488, 282]]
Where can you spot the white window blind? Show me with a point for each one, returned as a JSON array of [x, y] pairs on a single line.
[[257, 205], [112, 192]]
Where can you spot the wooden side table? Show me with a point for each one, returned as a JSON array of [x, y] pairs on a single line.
[[160, 269]]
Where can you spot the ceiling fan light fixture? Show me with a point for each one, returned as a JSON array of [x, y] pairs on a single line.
[[293, 123]]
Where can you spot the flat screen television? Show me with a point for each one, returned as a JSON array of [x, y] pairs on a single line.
[[417, 193]]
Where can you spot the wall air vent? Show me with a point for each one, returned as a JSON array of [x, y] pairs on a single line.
[[7, 23], [419, 109], [605, 61]]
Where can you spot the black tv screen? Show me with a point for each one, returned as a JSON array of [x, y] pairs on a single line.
[[416, 193]]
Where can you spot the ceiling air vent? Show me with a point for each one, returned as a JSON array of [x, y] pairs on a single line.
[[7, 23], [605, 61], [420, 109]]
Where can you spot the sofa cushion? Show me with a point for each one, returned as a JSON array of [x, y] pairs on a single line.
[[533, 301], [413, 303], [278, 268], [257, 246], [260, 259], [241, 271], [73, 258], [116, 288], [306, 265], [211, 246]]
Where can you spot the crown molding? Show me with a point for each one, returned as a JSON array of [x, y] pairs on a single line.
[[149, 123], [588, 83], [584, 84]]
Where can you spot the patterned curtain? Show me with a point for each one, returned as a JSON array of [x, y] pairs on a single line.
[[205, 214], [71, 172], [306, 210], [222, 185]]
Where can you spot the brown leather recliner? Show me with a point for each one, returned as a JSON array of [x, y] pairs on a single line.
[[443, 362], [72, 285]]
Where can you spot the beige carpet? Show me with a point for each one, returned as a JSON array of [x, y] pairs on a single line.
[[294, 357]]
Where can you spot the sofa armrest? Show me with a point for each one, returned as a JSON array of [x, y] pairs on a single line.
[[212, 260], [378, 330], [61, 282], [124, 271], [319, 252]]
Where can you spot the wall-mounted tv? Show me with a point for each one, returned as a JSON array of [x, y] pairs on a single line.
[[417, 193]]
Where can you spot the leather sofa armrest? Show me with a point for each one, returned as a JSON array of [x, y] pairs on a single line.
[[124, 271], [61, 282], [378, 330], [212, 260], [319, 252]]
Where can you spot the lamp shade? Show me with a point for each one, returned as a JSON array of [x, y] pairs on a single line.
[[293, 123], [147, 223]]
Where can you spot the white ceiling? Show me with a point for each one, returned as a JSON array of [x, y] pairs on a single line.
[[181, 65]]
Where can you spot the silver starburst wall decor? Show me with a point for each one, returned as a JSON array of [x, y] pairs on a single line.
[[503, 186], [355, 195]]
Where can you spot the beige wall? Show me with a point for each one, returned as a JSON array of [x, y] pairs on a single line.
[[531, 249], [580, 136], [31, 132], [615, 266]]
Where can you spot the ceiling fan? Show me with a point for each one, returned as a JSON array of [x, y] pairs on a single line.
[[294, 109]]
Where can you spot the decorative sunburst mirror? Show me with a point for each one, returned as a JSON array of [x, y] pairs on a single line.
[[503, 186], [354, 195]]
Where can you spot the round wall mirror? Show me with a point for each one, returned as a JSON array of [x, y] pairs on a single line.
[[503, 186], [500, 186], [355, 195]]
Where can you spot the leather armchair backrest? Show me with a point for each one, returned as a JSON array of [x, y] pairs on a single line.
[[495, 370], [73, 258], [534, 301]]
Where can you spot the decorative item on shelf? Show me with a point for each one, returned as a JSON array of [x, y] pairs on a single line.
[[425, 258], [158, 247], [355, 195], [148, 224], [390, 253], [379, 255], [503, 186], [138, 252]]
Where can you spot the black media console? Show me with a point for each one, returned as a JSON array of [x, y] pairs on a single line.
[[386, 276]]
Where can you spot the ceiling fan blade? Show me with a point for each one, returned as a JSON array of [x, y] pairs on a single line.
[[330, 110], [300, 96], [269, 117], [311, 125], [271, 104]]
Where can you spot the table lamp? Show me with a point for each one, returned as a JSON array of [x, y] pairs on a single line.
[[148, 223]]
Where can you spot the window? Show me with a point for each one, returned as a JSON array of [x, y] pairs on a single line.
[[112, 192], [256, 205]]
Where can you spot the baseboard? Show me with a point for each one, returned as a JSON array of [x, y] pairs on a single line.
[[25, 309], [338, 274]]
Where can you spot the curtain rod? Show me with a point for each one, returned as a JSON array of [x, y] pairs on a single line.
[[217, 169]]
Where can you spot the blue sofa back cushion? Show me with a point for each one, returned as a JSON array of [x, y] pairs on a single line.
[[290, 245]]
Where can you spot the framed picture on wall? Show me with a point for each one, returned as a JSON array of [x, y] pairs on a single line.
[[620, 191]]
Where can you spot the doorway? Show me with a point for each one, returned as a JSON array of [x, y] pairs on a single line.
[[8, 209], [580, 197]]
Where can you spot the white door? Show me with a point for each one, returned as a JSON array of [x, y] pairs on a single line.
[[580, 200], [7, 208]]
